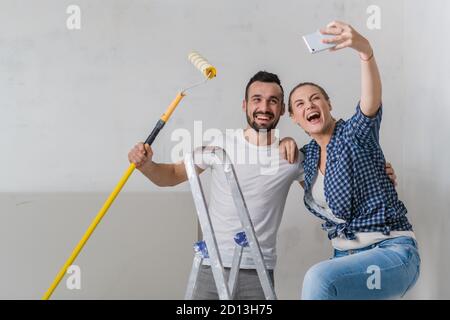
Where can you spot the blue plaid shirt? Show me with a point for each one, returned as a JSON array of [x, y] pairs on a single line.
[[357, 188]]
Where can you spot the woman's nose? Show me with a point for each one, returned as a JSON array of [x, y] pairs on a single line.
[[309, 106]]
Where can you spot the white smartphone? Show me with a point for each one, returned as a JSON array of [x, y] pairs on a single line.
[[314, 42]]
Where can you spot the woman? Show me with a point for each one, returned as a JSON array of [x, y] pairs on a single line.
[[375, 251]]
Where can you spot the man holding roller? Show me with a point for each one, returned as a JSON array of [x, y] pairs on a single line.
[[265, 191]]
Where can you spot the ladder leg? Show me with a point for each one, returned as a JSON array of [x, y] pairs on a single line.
[[247, 224], [192, 282], [207, 229], [234, 272]]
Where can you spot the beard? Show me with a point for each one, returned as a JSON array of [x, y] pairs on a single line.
[[264, 128]]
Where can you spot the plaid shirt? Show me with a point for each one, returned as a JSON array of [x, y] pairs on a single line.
[[357, 188]]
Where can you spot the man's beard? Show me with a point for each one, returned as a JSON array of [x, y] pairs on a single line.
[[259, 128]]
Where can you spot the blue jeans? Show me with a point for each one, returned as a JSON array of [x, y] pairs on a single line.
[[385, 270]]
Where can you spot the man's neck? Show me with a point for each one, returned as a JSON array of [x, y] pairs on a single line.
[[259, 138]]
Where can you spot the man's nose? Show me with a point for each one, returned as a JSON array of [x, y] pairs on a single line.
[[265, 106]]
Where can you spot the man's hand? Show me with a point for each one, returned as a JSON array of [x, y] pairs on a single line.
[[391, 173], [140, 155], [289, 150]]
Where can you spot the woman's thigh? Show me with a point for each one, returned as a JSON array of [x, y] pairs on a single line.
[[384, 272]]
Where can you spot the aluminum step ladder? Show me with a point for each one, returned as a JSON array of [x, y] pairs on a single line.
[[208, 247]]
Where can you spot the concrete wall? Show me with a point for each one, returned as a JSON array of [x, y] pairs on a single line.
[[73, 102], [424, 171], [142, 249]]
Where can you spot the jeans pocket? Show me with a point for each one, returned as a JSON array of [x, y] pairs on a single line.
[[404, 247]]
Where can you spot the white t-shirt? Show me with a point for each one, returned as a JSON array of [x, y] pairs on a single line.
[[265, 180]]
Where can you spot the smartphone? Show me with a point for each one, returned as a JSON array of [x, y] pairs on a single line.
[[314, 42]]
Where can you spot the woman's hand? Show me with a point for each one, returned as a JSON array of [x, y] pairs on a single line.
[[347, 37]]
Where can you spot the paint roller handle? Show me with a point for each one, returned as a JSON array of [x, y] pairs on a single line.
[[141, 155], [164, 118], [158, 127], [209, 72]]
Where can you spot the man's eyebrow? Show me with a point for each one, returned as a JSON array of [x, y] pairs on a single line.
[[260, 96]]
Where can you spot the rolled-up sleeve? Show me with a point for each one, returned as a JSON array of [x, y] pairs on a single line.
[[364, 130]]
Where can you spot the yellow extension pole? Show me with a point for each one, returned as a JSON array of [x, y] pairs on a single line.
[[164, 118]]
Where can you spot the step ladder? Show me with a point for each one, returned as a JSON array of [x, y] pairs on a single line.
[[208, 247]]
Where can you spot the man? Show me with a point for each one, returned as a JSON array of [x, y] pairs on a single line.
[[265, 184]]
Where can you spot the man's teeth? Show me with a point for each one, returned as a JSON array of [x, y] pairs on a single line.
[[263, 117]]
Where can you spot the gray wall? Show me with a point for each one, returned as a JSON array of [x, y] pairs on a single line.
[[424, 170], [74, 101], [140, 250]]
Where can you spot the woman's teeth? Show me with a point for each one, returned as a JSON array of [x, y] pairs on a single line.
[[313, 116]]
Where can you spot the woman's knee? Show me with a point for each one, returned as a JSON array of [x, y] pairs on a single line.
[[318, 283]]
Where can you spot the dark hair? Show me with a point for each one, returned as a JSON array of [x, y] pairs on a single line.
[[264, 76], [324, 93]]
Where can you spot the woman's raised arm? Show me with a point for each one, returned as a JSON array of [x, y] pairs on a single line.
[[347, 37]]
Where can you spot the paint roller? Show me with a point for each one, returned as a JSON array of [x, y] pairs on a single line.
[[209, 72]]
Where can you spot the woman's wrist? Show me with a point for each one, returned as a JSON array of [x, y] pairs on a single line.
[[366, 59], [367, 54]]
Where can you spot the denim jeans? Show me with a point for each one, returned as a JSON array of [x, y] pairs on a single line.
[[385, 270]]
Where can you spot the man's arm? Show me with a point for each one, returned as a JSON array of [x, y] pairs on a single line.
[[389, 171], [161, 174]]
